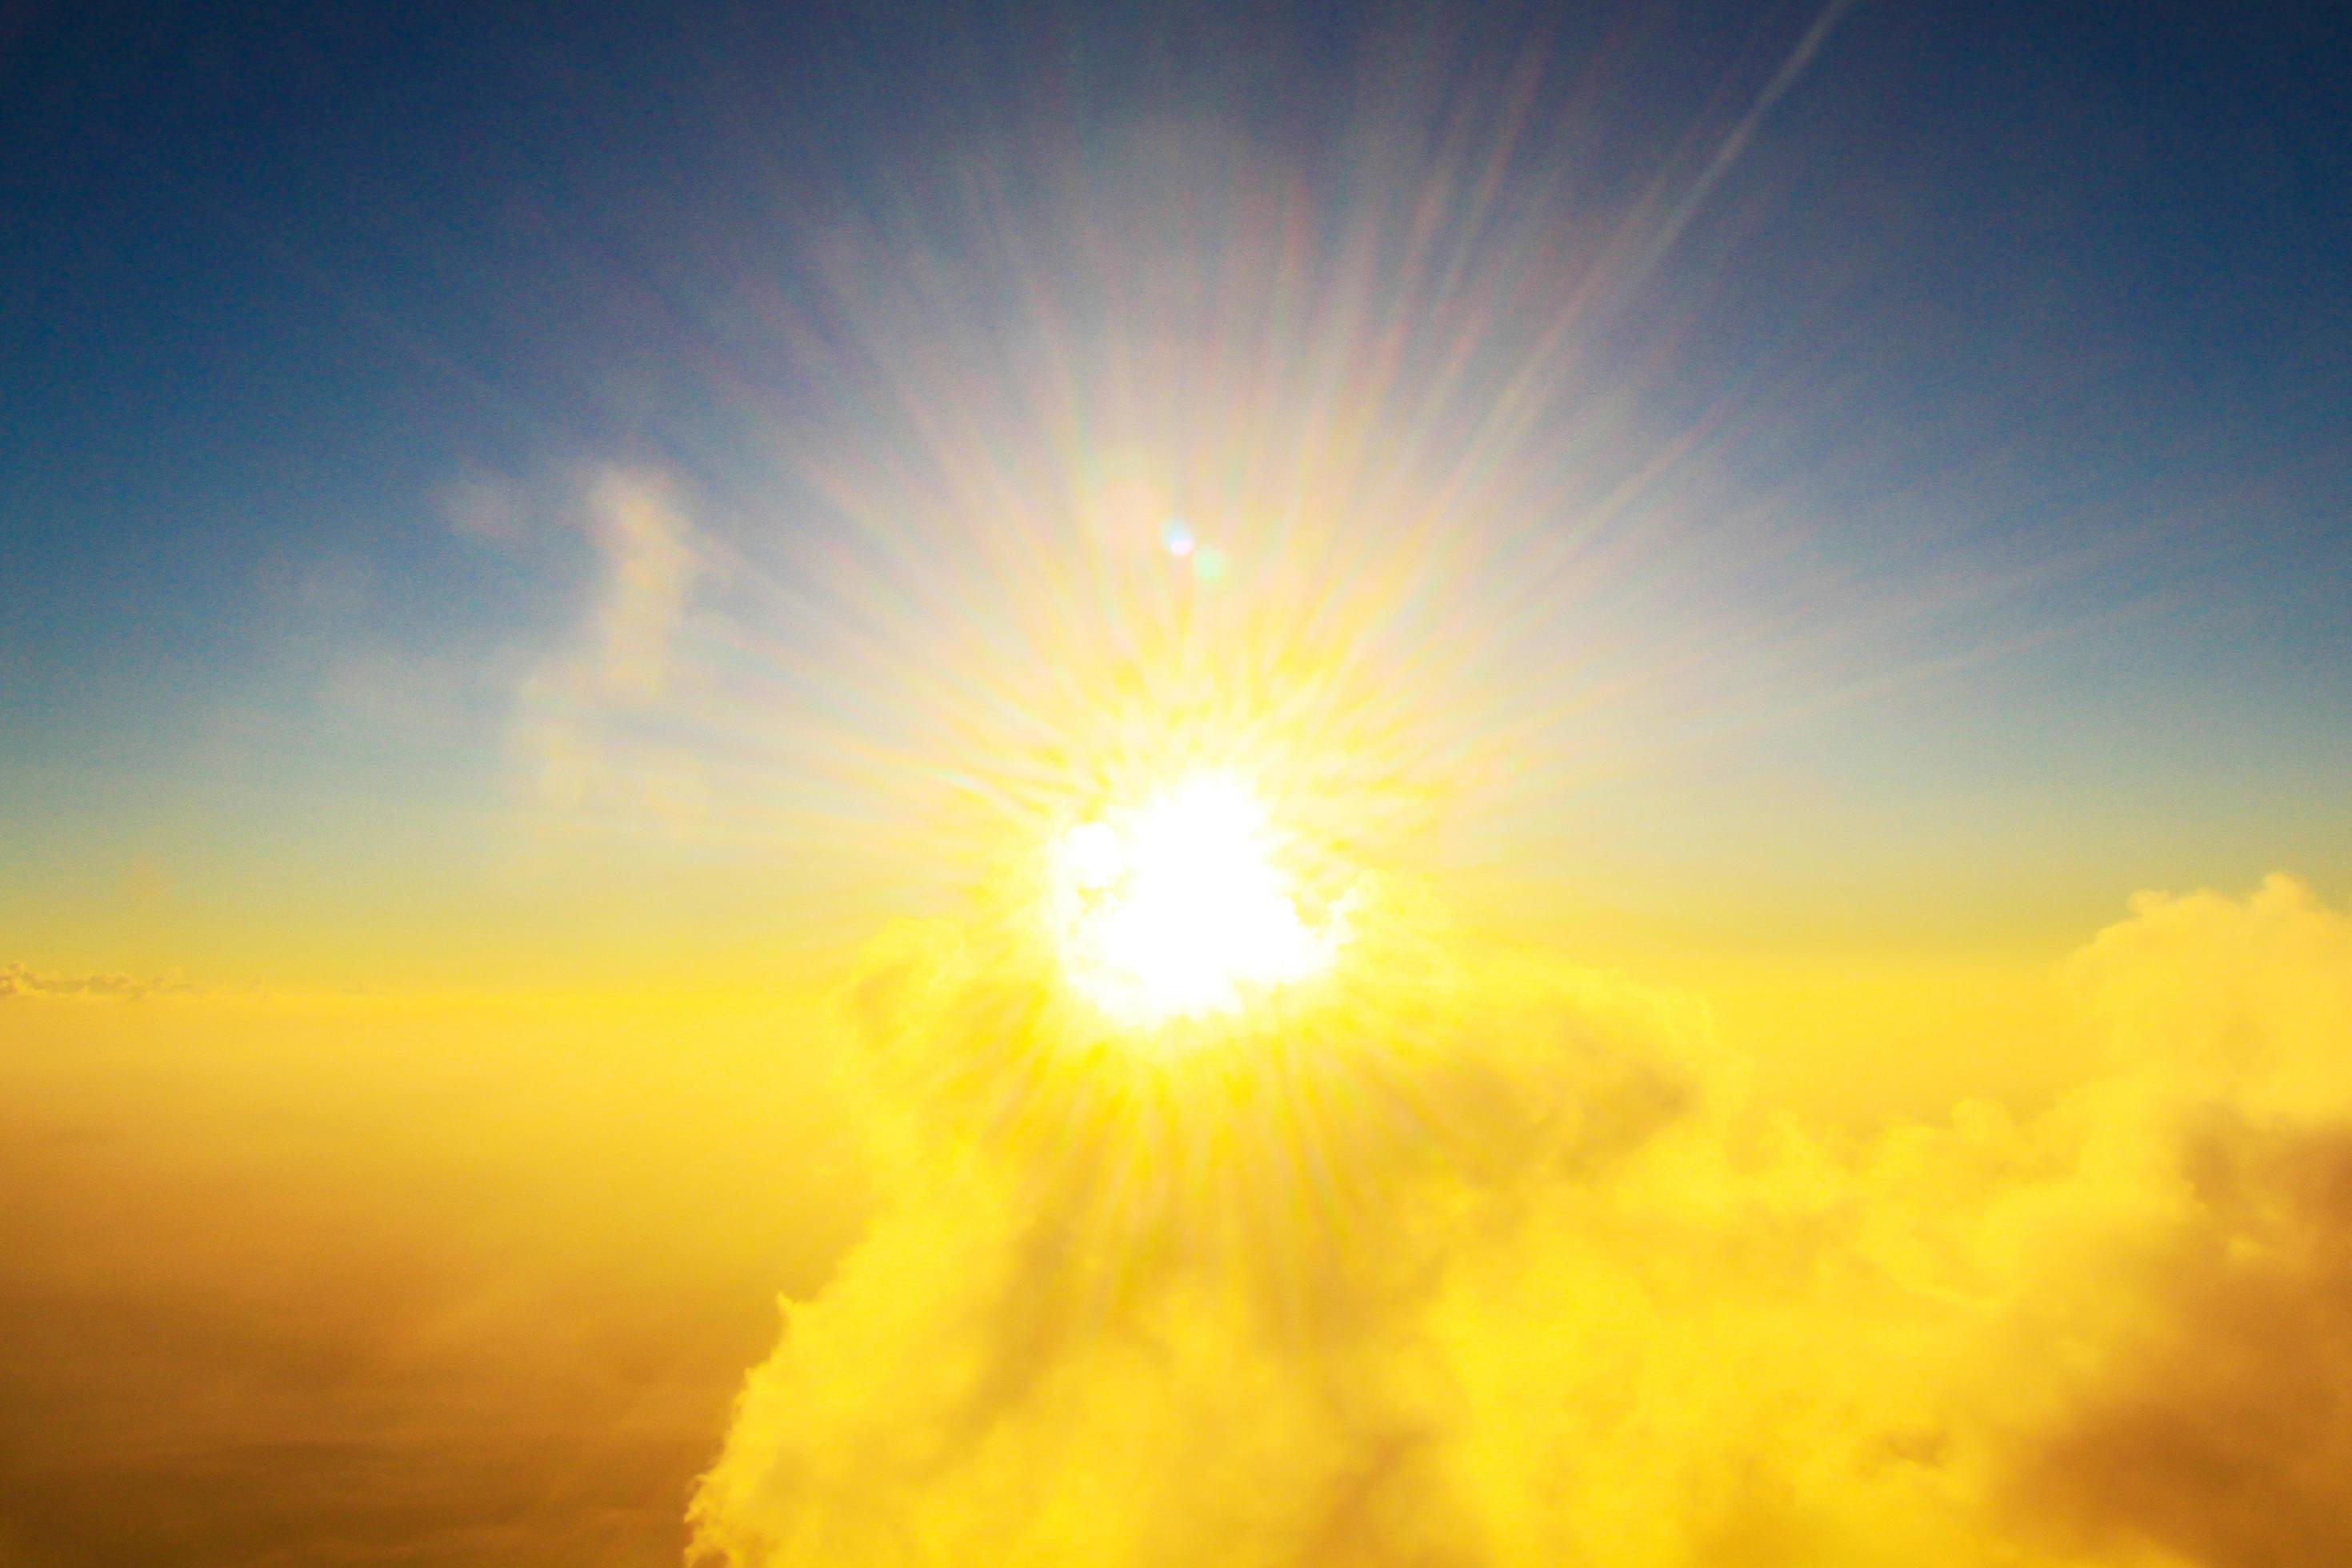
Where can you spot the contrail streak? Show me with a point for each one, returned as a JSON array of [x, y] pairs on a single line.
[[1736, 144]]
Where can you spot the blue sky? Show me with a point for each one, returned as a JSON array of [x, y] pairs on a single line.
[[2024, 329]]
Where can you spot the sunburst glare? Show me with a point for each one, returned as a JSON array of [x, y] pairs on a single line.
[[1178, 907]]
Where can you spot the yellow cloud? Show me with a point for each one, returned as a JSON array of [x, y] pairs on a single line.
[[449, 1277], [1483, 1259]]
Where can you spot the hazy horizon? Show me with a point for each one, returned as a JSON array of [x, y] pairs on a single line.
[[1291, 785]]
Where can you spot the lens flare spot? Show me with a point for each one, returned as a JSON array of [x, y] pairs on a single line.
[[1178, 907]]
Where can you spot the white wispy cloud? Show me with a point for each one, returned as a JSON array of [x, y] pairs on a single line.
[[574, 730]]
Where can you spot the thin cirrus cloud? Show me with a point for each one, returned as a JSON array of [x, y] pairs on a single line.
[[574, 727], [18, 981]]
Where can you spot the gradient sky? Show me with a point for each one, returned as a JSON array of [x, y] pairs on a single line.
[[1992, 371], [1761, 530]]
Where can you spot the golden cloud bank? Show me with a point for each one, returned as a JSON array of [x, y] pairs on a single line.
[[1474, 1257]]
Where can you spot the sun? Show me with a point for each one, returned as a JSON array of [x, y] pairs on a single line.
[[1177, 907]]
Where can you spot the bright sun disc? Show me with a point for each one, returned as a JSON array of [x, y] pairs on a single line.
[[1177, 907]]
